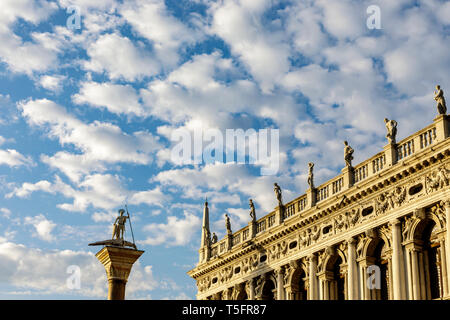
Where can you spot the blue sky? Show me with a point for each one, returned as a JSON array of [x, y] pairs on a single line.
[[86, 117]]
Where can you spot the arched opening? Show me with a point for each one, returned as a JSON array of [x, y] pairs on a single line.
[[381, 287], [430, 261], [268, 292], [242, 295], [333, 280], [298, 286], [337, 285]]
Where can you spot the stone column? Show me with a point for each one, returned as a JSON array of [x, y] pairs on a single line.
[[444, 268], [312, 292], [117, 262], [410, 295], [280, 283], [251, 286], [398, 274], [447, 242], [352, 279], [415, 274], [326, 286]]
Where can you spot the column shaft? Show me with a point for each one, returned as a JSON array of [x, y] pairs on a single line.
[[398, 274], [312, 278], [352, 278], [447, 243], [415, 275]]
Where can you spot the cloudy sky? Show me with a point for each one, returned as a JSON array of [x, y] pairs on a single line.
[[86, 117]]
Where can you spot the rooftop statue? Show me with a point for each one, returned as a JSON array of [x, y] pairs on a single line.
[[348, 154], [277, 190], [439, 97], [214, 238], [118, 233], [252, 210], [391, 126], [228, 224], [311, 175]]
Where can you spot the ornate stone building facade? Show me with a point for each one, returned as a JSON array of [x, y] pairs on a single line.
[[379, 230]]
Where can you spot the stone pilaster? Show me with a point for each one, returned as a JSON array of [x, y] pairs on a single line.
[[348, 177], [229, 238], [252, 229], [117, 262], [311, 197], [390, 153], [279, 215], [442, 127]]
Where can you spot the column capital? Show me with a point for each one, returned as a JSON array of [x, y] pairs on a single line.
[[118, 262], [395, 222], [351, 241]]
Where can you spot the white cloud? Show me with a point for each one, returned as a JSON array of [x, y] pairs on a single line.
[[43, 226], [259, 44], [99, 142], [52, 83], [27, 188], [176, 232], [152, 20], [119, 99], [13, 158], [119, 58]]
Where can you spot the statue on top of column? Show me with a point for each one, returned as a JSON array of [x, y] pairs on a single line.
[[277, 190], [214, 238], [348, 154], [311, 175], [439, 97], [228, 224], [391, 126], [252, 210], [118, 233]]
